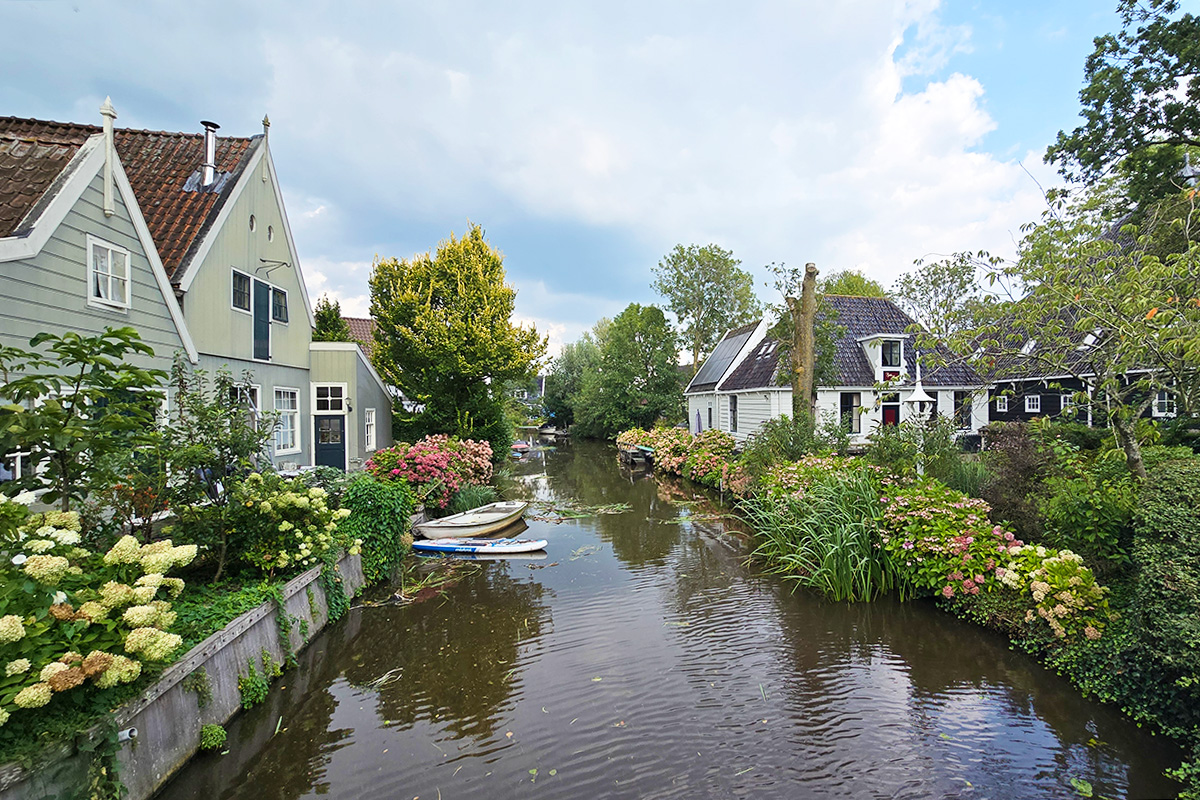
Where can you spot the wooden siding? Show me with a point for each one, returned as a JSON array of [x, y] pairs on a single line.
[[268, 377], [348, 367], [218, 329], [49, 291]]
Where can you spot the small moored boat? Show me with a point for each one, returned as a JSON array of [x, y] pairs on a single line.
[[477, 522], [480, 546]]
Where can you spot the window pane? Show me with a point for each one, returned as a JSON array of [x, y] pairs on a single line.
[[279, 309]]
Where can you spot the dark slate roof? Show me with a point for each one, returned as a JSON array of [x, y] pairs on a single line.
[[163, 169], [856, 317], [362, 330], [32, 155], [722, 356], [756, 370]]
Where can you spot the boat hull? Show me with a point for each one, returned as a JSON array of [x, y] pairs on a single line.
[[480, 546], [475, 523]]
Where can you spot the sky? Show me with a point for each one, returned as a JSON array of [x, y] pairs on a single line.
[[588, 139]]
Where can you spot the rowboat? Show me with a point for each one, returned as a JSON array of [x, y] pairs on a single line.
[[474, 523], [479, 546]]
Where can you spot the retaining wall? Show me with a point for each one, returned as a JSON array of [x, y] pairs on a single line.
[[168, 717]]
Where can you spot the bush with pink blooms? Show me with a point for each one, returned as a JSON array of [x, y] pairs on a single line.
[[435, 467], [943, 543], [709, 458]]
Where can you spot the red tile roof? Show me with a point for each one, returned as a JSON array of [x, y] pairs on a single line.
[[362, 330], [32, 155], [163, 169]]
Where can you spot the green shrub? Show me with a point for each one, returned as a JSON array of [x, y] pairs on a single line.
[[379, 515], [709, 456], [825, 536], [780, 440], [212, 737], [1089, 516], [1017, 465]]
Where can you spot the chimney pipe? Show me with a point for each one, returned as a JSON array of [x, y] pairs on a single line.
[[209, 167]]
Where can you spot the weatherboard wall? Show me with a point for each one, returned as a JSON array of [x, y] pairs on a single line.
[[49, 292]]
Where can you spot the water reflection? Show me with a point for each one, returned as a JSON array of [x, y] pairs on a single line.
[[643, 658]]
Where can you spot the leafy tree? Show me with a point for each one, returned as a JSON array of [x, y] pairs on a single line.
[[565, 379], [637, 380], [445, 337], [214, 440], [75, 405], [851, 282], [943, 296], [708, 294], [330, 327], [1141, 103], [1106, 309]]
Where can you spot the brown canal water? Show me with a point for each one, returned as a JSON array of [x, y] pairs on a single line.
[[643, 659]]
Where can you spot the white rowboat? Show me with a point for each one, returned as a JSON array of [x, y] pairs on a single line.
[[481, 547], [474, 523]]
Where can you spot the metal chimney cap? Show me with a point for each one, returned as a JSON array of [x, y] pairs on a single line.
[[211, 126]]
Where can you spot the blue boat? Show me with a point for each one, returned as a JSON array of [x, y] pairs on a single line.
[[496, 546]]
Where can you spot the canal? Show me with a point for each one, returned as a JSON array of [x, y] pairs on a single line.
[[641, 658]]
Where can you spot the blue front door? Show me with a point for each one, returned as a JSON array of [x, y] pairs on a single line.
[[331, 441]]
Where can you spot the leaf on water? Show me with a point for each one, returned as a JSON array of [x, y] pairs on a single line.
[[1082, 787], [553, 772], [597, 679], [945, 736], [508, 735], [677, 624]]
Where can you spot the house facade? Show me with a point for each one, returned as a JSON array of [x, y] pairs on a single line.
[[738, 389], [190, 245]]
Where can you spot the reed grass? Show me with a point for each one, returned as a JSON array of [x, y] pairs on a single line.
[[826, 539]]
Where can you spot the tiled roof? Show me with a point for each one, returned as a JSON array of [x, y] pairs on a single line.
[[856, 317], [32, 154], [163, 168], [362, 330]]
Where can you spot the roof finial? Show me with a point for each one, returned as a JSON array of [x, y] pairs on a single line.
[[266, 125], [109, 113]]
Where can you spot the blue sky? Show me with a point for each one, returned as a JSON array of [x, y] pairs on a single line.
[[589, 138]]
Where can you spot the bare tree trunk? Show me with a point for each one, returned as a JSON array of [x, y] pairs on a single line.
[[804, 315], [1127, 439]]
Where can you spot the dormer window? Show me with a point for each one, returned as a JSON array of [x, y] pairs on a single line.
[[891, 353], [1027, 348]]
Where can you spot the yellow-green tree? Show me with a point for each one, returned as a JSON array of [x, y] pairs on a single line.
[[445, 337]]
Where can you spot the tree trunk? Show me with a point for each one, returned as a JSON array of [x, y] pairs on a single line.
[[804, 314], [1127, 439]]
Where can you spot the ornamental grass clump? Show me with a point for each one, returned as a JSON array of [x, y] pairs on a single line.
[[825, 537], [435, 467], [60, 601]]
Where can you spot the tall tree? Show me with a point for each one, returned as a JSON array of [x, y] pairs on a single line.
[[850, 282], [1141, 103], [1108, 310], [565, 379], [330, 326], [637, 380], [444, 335], [942, 296], [708, 294]]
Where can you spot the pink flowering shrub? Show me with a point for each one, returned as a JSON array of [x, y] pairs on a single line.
[[671, 447], [942, 542], [709, 458], [436, 466]]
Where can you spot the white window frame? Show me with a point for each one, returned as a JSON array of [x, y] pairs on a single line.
[[899, 354], [1033, 404], [287, 413], [249, 310], [1164, 404], [254, 402], [369, 427], [95, 243], [345, 387], [1066, 404], [1002, 404]]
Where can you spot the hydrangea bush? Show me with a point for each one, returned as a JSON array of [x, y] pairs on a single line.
[[286, 524], [709, 458], [435, 467], [70, 616], [943, 542]]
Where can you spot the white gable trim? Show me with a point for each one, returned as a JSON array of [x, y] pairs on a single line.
[[156, 265], [79, 174], [210, 236], [66, 189], [347, 346], [261, 152]]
